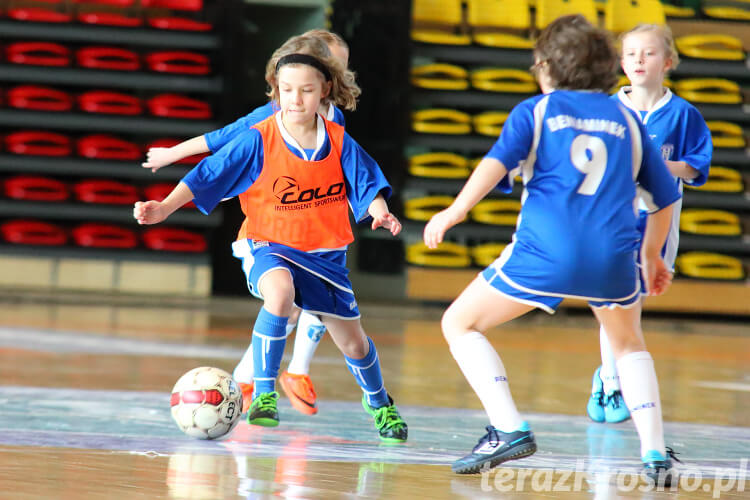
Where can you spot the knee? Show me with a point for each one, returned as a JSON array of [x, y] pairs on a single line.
[[451, 325], [356, 347], [279, 299]]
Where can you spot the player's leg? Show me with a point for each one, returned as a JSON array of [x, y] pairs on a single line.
[[269, 337], [244, 371], [362, 360], [639, 385], [606, 402], [296, 379], [480, 307]]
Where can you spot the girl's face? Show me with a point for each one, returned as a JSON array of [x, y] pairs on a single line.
[[644, 59], [301, 88]]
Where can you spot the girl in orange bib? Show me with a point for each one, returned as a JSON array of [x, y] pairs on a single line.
[[296, 174]]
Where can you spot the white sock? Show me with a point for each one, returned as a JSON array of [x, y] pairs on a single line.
[[243, 372], [309, 332], [485, 372], [608, 372], [641, 392]]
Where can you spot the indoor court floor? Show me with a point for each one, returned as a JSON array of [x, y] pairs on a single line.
[[85, 408]]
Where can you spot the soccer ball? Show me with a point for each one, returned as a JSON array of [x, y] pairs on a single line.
[[206, 403]]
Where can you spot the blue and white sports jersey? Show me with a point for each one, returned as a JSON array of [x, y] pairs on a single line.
[[580, 155], [219, 138], [679, 131]]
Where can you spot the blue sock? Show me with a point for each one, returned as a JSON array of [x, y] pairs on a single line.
[[366, 372], [269, 339]]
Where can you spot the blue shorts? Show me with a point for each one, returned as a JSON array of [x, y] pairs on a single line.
[[320, 286], [548, 303]]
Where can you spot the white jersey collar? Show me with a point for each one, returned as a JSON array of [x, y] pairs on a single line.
[[624, 97], [319, 140]]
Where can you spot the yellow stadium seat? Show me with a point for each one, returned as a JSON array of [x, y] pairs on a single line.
[[440, 76], [622, 15], [709, 90], [490, 122], [485, 254], [425, 207], [722, 179], [487, 17], [710, 266], [711, 46], [441, 121], [726, 135], [710, 222], [496, 212], [676, 11], [504, 80], [439, 165], [444, 13], [731, 12], [447, 254], [549, 10]]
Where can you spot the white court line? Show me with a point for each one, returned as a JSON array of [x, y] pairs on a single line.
[[65, 342], [727, 386]]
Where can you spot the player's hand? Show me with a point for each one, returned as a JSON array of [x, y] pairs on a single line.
[[149, 212], [387, 221], [655, 275], [439, 224], [157, 158]]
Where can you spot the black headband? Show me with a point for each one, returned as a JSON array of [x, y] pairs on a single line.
[[304, 59]]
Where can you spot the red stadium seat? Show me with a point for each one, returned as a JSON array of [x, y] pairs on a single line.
[[107, 147], [105, 101], [39, 98], [178, 61], [35, 188], [194, 5], [108, 58], [104, 236], [160, 191], [32, 232], [178, 106], [174, 240], [116, 3], [168, 143], [178, 23], [105, 191], [39, 15], [38, 53], [109, 19], [34, 142]]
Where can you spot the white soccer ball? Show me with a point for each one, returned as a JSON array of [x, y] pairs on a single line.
[[206, 403]]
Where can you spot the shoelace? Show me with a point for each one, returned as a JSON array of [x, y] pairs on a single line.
[[387, 417], [266, 401], [615, 399], [492, 436], [671, 454]]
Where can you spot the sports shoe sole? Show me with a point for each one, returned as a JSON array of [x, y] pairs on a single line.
[[514, 453], [263, 422], [298, 403]]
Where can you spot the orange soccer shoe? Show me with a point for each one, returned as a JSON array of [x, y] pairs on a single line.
[[300, 391], [247, 395]]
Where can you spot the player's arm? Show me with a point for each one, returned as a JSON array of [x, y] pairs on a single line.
[[682, 170], [161, 157], [153, 212], [382, 217], [655, 273], [484, 178]]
